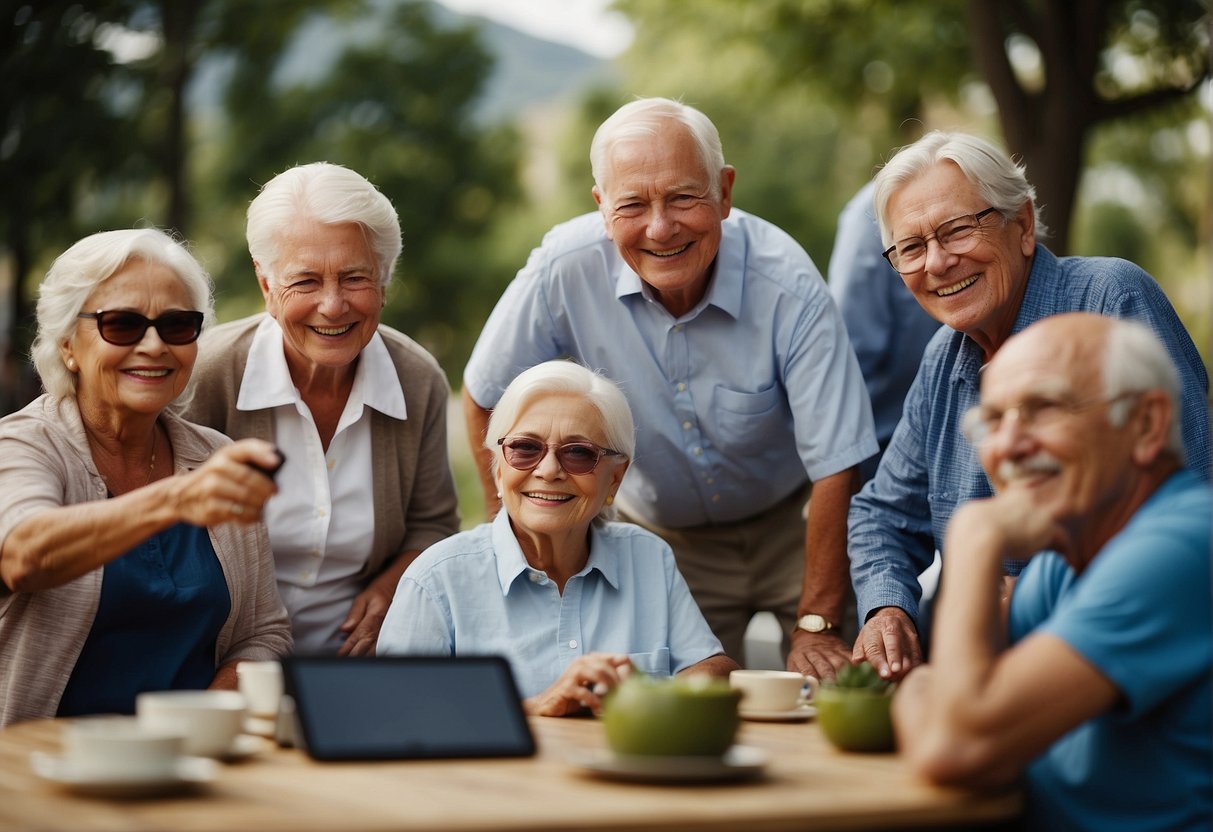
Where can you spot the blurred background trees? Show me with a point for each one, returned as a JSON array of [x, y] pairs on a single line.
[[172, 112]]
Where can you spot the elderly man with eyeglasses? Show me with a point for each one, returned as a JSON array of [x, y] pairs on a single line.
[[1094, 679], [961, 225]]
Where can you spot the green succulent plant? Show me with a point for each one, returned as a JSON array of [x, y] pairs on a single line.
[[860, 676]]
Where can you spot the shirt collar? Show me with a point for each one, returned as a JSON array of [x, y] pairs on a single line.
[[267, 379], [724, 287], [512, 563]]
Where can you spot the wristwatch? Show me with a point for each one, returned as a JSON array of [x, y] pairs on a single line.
[[813, 623]]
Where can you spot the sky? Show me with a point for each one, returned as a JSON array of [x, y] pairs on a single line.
[[586, 24]]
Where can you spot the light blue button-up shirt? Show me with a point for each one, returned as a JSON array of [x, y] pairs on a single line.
[[898, 520], [735, 402], [475, 594]]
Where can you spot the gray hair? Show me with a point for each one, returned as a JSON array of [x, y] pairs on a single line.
[[555, 378], [328, 194], [88, 263], [999, 180], [641, 119], [1135, 360]]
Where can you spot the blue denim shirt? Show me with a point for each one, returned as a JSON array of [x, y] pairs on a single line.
[[897, 521]]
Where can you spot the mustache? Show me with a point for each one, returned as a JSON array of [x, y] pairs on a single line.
[[1010, 470]]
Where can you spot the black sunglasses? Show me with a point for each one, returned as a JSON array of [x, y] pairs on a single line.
[[576, 458], [123, 329]]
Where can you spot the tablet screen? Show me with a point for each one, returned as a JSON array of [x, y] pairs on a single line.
[[405, 707]]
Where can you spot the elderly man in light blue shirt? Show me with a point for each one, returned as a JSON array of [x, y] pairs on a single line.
[[629, 599], [735, 361]]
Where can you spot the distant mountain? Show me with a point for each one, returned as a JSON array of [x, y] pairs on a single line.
[[528, 70]]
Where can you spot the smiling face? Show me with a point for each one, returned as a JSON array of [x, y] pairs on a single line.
[[547, 501], [1076, 465], [324, 293], [662, 215], [115, 382], [979, 292]]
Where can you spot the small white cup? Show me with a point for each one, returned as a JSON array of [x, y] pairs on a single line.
[[772, 690], [261, 684], [208, 720], [119, 748]]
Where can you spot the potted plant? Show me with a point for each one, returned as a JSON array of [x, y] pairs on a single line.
[[853, 709]]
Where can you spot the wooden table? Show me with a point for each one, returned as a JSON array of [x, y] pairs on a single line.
[[809, 785]]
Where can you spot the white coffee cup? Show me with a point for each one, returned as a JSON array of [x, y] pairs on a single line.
[[261, 684], [772, 690], [119, 748], [209, 720]]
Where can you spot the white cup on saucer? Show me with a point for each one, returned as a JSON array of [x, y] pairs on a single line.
[[119, 748], [208, 720], [774, 691], [261, 684]]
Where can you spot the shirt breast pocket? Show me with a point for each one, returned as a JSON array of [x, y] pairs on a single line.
[[656, 663], [748, 421]]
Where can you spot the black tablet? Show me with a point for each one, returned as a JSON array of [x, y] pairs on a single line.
[[407, 707]]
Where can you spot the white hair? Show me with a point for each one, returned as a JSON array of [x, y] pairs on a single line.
[[325, 193], [556, 378], [641, 120], [999, 180], [1135, 360], [88, 263]]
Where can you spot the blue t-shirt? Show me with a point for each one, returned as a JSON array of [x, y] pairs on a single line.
[[897, 522], [162, 606], [475, 594], [1139, 614]]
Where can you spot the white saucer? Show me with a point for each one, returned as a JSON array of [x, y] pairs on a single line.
[[798, 714], [260, 726], [244, 746], [190, 772], [741, 762]]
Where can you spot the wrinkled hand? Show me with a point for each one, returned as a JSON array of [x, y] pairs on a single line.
[[889, 642], [225, 488], [364, 620], [582, 685], [817, 654]]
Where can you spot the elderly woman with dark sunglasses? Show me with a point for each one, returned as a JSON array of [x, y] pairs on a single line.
[[572, 600], [131, 553]]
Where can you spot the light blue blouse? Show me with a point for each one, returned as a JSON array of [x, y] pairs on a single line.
[[475, 594]]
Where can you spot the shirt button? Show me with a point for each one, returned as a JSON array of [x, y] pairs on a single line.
[[678, 327], [536, 578], [332, 464], [573, 644], [686, 425], [697, 451], [681, 387]]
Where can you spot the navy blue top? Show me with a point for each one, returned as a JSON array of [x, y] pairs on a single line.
[[162, 606]]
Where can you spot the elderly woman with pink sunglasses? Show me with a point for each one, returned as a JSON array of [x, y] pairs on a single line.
[[572, 600]]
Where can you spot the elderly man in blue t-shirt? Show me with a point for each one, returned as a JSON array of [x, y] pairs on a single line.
[[1103, 695]]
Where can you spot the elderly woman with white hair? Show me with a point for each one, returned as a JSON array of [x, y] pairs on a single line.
[[572, 600], [131, 555], [358, 408]]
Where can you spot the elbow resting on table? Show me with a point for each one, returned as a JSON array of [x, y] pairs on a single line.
[[949, 755]]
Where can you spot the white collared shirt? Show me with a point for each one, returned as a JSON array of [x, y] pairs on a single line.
[[322, 521]]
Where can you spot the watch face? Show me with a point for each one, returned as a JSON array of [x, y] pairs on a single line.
[[813, 623]]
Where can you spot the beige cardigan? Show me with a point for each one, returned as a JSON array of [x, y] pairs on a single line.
[[415, 502], [45, 462]]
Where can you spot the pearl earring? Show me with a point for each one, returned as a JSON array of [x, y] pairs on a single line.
[[71, 364], [610, 500]]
